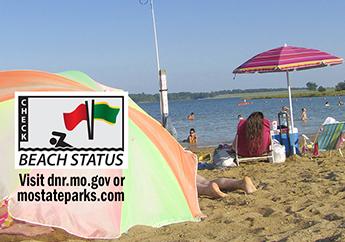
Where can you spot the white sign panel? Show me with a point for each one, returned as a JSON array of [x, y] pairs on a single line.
[[71, 130]]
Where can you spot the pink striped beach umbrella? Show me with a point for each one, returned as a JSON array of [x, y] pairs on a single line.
[[286, 59]]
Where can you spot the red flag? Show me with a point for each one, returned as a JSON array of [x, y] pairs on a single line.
[[74, 118]]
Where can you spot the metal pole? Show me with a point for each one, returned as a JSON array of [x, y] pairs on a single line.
[[155, 35], [164, 97], [291, 114], [162, 79]]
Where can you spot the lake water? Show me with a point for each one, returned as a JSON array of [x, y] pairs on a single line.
[[216, 120]]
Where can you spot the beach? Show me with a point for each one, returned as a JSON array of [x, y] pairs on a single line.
[[299, 200], [118, 116]]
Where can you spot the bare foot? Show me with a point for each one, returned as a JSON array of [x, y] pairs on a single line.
[[214, 191], [248, 185]]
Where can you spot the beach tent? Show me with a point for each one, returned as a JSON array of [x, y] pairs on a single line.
[[160, 183]]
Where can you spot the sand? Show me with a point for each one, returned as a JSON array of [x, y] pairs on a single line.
[[299, 200]]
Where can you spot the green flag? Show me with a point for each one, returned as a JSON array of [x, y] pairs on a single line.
[[105, 112]]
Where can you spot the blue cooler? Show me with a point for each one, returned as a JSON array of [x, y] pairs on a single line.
[[283, 140]]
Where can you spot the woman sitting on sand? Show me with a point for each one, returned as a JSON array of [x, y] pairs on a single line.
[[215, 187], [253, 135]]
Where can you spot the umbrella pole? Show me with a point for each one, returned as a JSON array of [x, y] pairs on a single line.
[[162, 77], [291, 114]]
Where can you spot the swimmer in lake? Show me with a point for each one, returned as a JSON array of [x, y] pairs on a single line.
[[304, 116], [191, 116]]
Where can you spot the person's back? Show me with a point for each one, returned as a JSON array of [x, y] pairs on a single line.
[[253, 135]]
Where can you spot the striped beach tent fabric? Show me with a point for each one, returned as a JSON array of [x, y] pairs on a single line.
[[287, 58], [160, 183]]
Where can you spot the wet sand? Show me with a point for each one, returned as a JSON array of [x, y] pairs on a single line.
[[299, 200]]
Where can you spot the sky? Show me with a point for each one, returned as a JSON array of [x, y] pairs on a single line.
[[200, 42]]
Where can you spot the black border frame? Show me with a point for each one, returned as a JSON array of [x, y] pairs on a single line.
[[69, 148]]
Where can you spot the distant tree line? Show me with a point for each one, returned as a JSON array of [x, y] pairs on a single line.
[[143, 97], [312, 86], [340, 86]]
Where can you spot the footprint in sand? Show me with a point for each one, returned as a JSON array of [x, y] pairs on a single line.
[[276, 199], [251, 221], [314, 211], [331, 176], [259, 230], [228, 221], [289, 210], [263, 186], [266, 212], [342, 189], [332, 217], [337, 237], [342, 225], [308, 224]]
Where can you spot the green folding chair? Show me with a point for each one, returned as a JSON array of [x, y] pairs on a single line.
[[328, 136]]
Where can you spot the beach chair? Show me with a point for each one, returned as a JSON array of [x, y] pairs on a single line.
[[329, 136], [267, 156]]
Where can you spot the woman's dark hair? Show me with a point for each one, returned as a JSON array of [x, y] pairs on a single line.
[[192, 129], [254, 128]]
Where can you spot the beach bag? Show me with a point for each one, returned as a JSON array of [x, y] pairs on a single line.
[[278, 152], [223, 156]]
